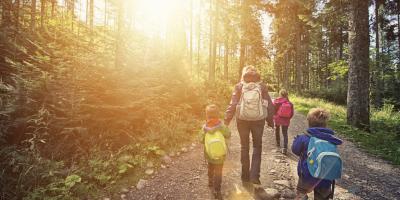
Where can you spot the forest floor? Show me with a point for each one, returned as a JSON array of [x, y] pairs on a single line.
[[185, 175]]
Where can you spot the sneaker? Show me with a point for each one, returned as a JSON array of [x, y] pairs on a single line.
[[284, 151]]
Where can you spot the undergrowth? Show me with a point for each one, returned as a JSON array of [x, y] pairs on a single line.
[[73, 126]]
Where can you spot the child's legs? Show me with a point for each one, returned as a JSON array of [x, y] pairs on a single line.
[[210, 174], [277, 135], [322, 193], [218, 177], [302, 189], [285, 136]]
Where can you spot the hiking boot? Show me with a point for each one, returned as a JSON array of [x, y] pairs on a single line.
[[247, 185], [260, 193], [300, 196], [218, 195], [284, 151], [256, 182]]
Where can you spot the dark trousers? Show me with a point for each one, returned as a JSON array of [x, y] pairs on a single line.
[[256, 128], [304, 187], [215, 175], [285, 135]]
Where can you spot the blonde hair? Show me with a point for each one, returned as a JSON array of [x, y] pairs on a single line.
[[212, 111], [283, 93], [246, 69], [318, 117]]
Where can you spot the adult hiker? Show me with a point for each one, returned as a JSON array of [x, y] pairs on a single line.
[[253, 106]]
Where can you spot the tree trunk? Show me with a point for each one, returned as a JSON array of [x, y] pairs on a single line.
[[119, 49], [72, 12], [42, 13], [105, 14], [91, 19], [358, 81], [377, 72], [398, 33], [285, 71], [33, 15], [341, 13], [6, 12], [211, 70], [341, 43], [191, 38], [53, 7], [87, 12], [16, 13], [226, 59], [198, 39], [242, 56], [214, 38], [298, 66]]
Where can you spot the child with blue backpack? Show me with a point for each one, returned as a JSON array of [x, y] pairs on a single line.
[[213, 136], [319, 163]]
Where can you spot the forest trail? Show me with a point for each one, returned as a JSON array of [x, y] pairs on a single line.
[[365, 177]]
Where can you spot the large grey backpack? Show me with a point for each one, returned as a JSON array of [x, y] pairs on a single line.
[[251, 106]]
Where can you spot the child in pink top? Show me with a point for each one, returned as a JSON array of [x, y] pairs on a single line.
[[283, 113]]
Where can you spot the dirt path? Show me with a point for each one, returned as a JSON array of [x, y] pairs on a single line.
[[185, 177]]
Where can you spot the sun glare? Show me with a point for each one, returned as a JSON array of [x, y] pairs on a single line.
[[153, 15]]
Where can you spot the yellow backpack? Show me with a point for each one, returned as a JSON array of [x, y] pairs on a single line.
[[215, 145]]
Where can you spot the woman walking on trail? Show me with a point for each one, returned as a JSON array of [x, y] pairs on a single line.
[[283, 113], [252, 104]]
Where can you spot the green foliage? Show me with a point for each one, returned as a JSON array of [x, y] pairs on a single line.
[[71, 180], [384, 138], [336, 94], [338, 69]]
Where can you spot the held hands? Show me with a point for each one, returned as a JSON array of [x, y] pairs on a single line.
[[228, 144], [226, 123], [270, 124]]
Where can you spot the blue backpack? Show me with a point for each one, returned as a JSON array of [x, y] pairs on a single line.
[[323, 159]]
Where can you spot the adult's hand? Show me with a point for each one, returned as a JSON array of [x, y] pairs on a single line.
[[270, 123]]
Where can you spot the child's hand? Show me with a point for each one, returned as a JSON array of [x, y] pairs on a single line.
[[228, 144], [226, 123]]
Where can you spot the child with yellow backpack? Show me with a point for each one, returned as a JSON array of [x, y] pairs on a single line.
[[213, 136]]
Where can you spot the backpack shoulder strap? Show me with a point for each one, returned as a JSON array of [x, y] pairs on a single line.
[[307, 134], [333, 190]]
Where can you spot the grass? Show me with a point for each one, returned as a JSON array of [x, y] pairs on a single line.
[[382, 141]]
